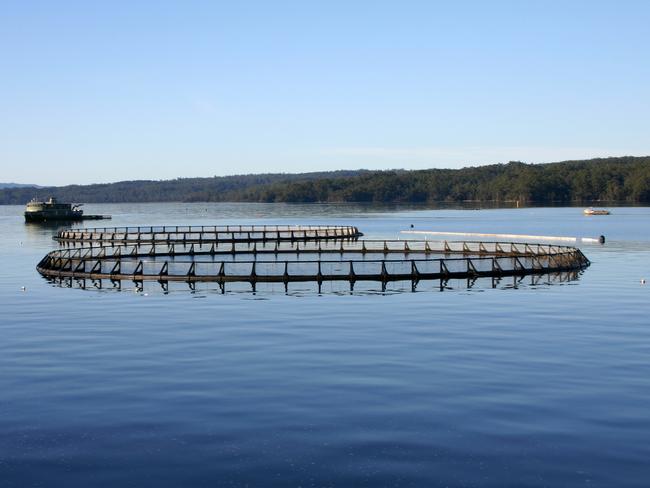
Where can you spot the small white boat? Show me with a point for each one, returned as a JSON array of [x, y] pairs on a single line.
[[595, 211]]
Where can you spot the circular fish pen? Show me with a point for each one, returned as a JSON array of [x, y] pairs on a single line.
[[263, 255], [204, 233]]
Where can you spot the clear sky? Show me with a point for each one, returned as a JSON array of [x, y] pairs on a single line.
[[108, 91]]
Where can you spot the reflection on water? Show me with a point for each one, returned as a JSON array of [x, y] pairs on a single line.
[[535, 281]]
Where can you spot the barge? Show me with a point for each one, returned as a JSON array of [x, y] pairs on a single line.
[[51, 210]]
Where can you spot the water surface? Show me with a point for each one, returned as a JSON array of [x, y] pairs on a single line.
[[535, 386]]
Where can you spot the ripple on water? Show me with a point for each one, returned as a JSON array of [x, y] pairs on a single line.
[[544, 385]]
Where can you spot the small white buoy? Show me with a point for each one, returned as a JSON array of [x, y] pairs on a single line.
[[643, 281], [22, 288]]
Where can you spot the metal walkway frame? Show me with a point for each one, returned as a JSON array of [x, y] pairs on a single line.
[[285, 254]]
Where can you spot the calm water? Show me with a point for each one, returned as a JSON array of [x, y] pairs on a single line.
[[536, 386]]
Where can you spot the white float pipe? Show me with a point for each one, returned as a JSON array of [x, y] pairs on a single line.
[[595, 240]]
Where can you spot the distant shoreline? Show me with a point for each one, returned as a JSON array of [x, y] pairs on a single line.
[[419, 206], [624, 180]]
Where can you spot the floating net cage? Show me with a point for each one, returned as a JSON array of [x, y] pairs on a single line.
[[301, 257]]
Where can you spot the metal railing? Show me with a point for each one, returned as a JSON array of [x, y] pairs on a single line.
[[295, 261], [204, 233]]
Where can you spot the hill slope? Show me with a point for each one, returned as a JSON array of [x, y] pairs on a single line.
[[17, 185], [625, 179]]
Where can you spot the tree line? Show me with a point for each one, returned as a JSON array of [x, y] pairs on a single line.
[[622, 179]]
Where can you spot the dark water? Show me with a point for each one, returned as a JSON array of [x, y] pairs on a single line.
[[536, 386]]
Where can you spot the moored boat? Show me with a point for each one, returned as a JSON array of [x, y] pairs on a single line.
[[51, 210], [596, 211], [37, 211]]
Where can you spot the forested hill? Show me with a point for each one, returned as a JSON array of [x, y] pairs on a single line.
[[178, 190], [16, 185], [624, 179]]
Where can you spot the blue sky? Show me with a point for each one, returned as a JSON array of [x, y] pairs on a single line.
[[108, 91]]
